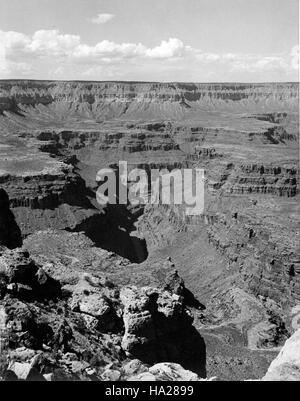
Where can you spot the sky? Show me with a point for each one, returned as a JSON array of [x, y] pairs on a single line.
[[150, 40]]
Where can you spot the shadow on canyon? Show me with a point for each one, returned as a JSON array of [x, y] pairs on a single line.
[[191, 301], [113, 231], [189, 352], [10, 233]]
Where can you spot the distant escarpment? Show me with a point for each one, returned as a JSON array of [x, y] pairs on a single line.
[[114, 99], [126, 140], [276, 180]]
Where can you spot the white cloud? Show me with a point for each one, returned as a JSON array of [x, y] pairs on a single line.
[[102, 18], [2, 58], [52, 53], [295, 57], [172, 48], [109, 49], [11, 43], [53, 43], [14, 40], [256, 63]]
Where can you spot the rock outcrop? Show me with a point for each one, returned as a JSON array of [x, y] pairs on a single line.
[[89, 329], [160, 372], [286, 367], [24, 278], [154, 322]]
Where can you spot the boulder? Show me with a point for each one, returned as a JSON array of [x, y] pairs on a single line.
[[134, 367], [96, 301], [174, 283], [111, 375], [158, 328], [21, 370], [165, 372], [145, 377], [172, 372], [286, 367], [18, 267], [24, 278], [25, 371]]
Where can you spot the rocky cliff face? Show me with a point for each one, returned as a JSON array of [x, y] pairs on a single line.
[[10, 234], [125, 95], [286, 366]]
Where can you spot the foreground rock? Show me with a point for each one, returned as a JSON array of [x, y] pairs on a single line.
[[90, 329], [135, 370], [22, 277], [158, 327], [166, 372], [286, 367]]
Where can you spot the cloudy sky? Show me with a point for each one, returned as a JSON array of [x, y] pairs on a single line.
[[150, 40]]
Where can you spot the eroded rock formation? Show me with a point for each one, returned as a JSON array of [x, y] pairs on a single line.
[[240, 258], [88, 328], [154, 324], [286, 367]]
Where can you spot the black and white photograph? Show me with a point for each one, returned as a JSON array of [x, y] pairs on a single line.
[[149, 193]]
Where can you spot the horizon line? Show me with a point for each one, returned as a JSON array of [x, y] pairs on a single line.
[[146, 82]]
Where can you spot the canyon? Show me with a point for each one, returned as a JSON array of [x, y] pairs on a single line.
[[229, 278]]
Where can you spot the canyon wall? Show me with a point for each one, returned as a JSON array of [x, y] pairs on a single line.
[[150, 100], [55, 136]]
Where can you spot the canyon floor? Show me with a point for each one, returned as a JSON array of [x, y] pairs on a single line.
[[217, 293]]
